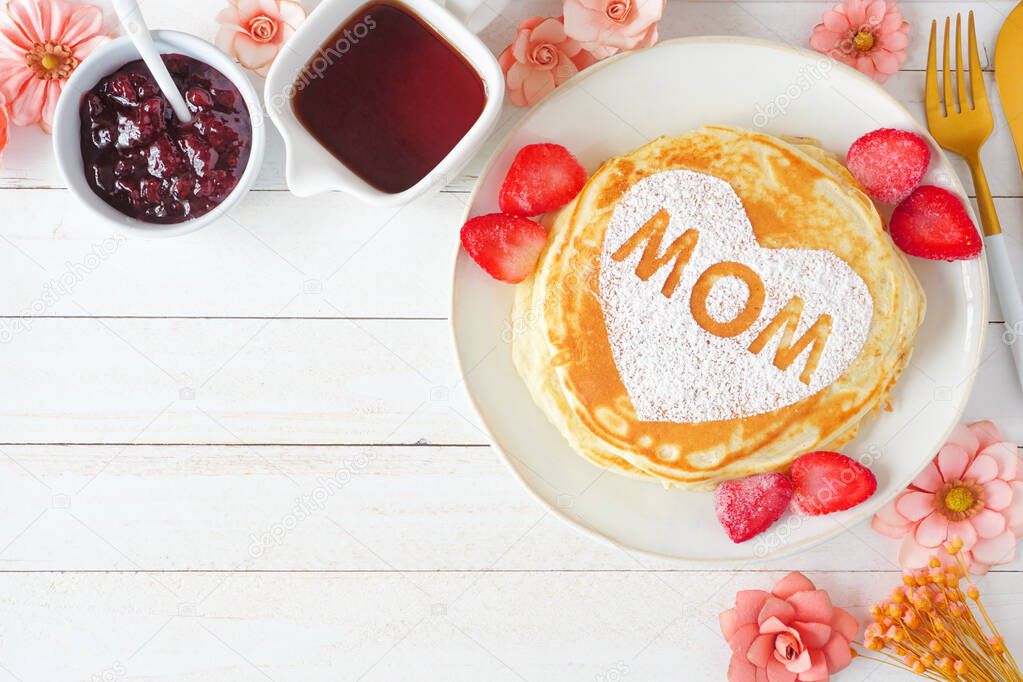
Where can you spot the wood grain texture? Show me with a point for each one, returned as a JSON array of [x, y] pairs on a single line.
[[261, 262], [273, 508], [246, 454], [384, 627], [279, 381]]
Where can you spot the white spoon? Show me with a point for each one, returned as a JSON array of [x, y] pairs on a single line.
[[131, 18]]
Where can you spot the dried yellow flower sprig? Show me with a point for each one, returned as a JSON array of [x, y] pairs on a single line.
[[927, 626]]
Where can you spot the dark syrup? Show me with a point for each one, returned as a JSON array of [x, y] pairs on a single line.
[[388, 97]]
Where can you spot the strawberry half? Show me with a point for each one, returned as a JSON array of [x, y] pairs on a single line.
[[889, 163], [506, 246], [746, 507], [829, 482], [542, 177], [932, 223]]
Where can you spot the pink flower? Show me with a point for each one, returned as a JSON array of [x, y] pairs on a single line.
[[253, 31], [868, 35], [972, 490], [791, 633], [605, 27], [541, 58], [3, 126], [41, 44]]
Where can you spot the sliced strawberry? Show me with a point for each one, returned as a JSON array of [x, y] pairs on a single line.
[[932, 223], [889, 163], [829, 482], [542, 177], [506, 246], [746, 507]]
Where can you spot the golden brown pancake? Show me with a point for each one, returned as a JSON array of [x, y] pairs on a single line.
[[796, 197]]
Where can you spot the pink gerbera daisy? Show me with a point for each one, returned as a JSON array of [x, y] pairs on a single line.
[[868, 35], [41, 44], [972, 491]]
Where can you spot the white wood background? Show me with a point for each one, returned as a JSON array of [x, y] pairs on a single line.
[[245, 454]]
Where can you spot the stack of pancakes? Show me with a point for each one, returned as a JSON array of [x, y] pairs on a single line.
[[796, 196]]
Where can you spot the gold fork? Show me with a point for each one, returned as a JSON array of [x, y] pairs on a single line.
[[958, 126], [961, 128]]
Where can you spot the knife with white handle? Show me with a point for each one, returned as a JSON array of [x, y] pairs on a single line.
[[1009, 76], [1004, 281]]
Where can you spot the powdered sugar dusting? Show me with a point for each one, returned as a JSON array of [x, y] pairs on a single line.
[[675, 370], [727, 299]]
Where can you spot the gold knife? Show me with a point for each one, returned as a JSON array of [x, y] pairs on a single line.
[[1009, 74]]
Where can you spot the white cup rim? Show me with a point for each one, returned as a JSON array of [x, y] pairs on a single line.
[[102, 62]]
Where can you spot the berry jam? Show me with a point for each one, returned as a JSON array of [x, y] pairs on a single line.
[[143, 161], [388, 97]]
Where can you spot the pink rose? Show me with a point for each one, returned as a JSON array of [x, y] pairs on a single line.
[[604, 27], [791, 633], [253, 31], [541, 58], [973, 490]]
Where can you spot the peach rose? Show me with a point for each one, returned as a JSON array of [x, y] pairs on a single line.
[[604, 27], [540, 59], [253, 31]]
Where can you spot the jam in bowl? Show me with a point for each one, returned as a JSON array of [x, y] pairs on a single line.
[[129, 160], [143, 161]]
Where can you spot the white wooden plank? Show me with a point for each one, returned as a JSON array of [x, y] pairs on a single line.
[[217, 381], [277, 256], [278, 381], [444, 626], [409, 509], [449, 570], [997, 393]]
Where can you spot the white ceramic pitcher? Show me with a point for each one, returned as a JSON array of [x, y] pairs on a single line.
[[310, 168]]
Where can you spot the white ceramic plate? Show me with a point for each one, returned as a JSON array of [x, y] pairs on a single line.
[[675, 87]]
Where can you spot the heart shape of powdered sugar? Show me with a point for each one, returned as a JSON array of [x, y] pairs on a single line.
[[673, 368]]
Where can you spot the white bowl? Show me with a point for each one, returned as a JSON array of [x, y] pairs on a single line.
[[110, 58], [310, 168]]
